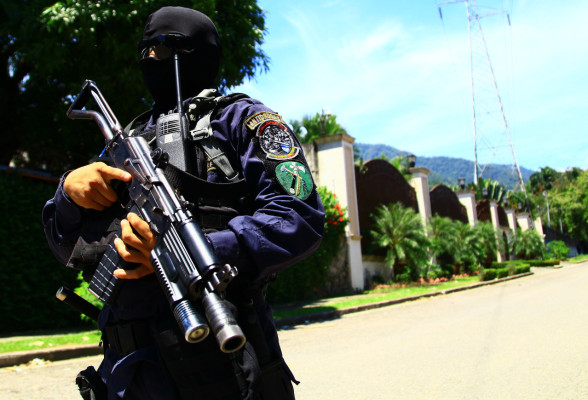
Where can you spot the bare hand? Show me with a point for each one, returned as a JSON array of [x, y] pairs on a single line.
[[89, 186], [135, 247]]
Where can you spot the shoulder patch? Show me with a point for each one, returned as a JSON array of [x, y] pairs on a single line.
[[276, 141], [295, 178], [259, 118]]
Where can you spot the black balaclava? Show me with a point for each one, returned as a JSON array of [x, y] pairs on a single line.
[[199, 62]]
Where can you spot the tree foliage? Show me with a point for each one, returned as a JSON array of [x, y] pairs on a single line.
[[401, 232], [310, 278], [543, 180], [527, 245], [558, 249], [313, 127], [569, 202], [49, 48]]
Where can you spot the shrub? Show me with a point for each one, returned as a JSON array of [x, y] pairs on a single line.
[[522, 269], [305, 279], [29, 273], [527, 245], [488, 274], [502, 272], [542, 263], [558, 249]]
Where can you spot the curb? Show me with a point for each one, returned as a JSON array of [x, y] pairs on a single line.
[[289, 322], [67, 352], [61, 353]]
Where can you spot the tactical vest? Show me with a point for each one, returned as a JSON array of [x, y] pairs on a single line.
[[214, 204]]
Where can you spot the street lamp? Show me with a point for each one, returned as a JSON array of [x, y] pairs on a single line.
[[485, 193], [461, 183], [411, 160]]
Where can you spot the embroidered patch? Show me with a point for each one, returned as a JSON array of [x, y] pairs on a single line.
[[276, 141], [259, 118], [295, 178]]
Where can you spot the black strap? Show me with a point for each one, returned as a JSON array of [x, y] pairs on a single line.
[[202, 134], [124, 338]]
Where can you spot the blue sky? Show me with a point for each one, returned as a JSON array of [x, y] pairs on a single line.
[[394, 73]]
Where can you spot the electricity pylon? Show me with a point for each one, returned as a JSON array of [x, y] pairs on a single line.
[[490, 127]]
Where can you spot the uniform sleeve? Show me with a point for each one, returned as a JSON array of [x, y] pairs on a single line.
[[62, 220], [284, 228]]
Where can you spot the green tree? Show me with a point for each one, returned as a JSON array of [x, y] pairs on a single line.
[[527, 245], [470, 249], [569, 201], [401, 232], [495, 190], [487, 237], [558, 249], [443, 234], [49, 48], [543, 180], [313, 127]]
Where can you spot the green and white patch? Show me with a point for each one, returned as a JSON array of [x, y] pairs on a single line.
[[295, 178]]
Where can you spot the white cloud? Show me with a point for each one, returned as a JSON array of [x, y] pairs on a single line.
[[392, 80]]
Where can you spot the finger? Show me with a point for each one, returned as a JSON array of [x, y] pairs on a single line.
[[141, 227], [111, 173], [132, 239], [125, 252], [104, 198], [130, 253], [136, 273]]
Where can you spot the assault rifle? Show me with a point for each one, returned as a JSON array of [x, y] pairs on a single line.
[[188, 270]]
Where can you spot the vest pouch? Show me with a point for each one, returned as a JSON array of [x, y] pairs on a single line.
[[202, 371]]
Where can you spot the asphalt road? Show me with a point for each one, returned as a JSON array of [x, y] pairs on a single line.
[[522, 339]]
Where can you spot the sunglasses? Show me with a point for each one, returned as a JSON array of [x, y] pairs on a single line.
[[162, 48]]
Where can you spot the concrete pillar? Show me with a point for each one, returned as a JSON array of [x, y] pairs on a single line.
[[494, 214], [334, 158], [524, 221], [496, 225], [420, 183], [511, 217], [468, 199], [538, 226]]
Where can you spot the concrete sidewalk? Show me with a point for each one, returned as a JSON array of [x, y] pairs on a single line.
[[67, 352]]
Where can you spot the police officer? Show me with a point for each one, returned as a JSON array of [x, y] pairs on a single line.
[[255, 199]]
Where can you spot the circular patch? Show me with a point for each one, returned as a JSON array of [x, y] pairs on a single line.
[[276, 141], [295, 178]]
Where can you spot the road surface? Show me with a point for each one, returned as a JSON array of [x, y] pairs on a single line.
[[522, 339]]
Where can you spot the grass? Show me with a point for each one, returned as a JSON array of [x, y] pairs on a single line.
[[376, 296], [43, 342], [579, 258]]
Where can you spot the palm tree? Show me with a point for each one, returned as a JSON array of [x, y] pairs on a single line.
[[469, 249], [313, 127], [489, 239], [400, 230], [442, 233], [527, 245]]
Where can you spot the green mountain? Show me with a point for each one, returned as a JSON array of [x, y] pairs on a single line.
[[447, 170]]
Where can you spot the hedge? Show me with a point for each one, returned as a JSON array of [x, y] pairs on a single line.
[[29, 273], [504, 269]]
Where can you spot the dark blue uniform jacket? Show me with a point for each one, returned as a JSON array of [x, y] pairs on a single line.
[[282, 230]]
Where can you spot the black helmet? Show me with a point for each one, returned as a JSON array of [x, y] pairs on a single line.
[[196, 39]]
